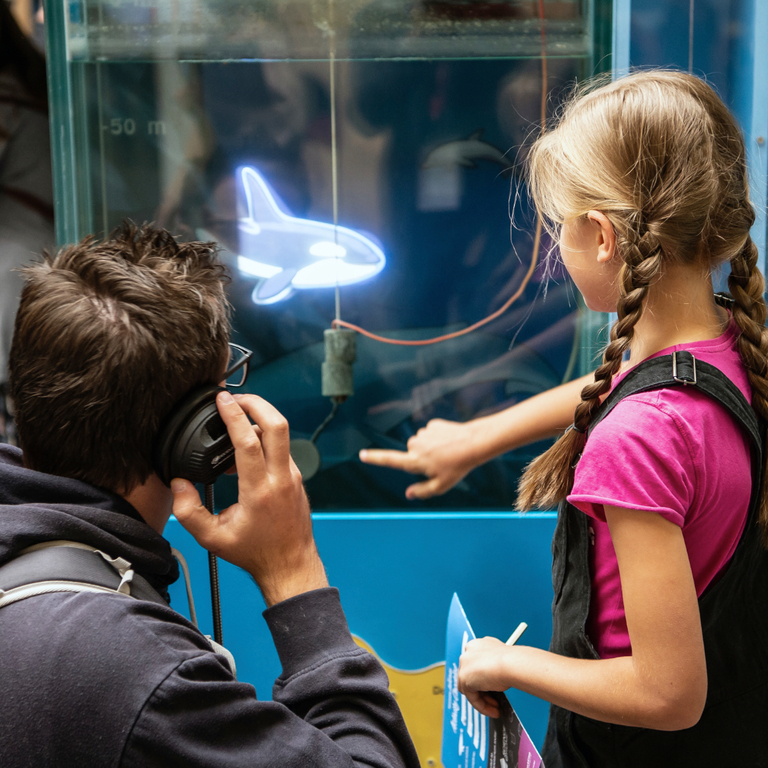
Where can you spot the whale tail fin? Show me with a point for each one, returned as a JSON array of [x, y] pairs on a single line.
[[259, 198]]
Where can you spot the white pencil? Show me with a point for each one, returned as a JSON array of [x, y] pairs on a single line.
[[517, 634]]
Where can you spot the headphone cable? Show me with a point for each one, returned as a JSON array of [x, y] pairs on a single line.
[[213, 570]]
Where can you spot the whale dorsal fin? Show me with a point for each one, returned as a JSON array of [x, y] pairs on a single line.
[[260, 201]]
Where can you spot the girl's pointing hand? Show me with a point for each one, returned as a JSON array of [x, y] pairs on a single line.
[[443, 451]]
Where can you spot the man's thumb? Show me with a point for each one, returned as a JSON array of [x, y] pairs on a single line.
[[189, 511]]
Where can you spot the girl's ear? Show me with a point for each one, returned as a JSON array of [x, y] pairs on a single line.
[[606, 236]]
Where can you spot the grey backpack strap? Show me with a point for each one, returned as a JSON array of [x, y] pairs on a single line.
[[69, 566], [65, 566]]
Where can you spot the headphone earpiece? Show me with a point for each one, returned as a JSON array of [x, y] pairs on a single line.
[[193, 442]]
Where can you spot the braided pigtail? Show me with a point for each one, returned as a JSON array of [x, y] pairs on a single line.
[[747, 286], [548, 479]]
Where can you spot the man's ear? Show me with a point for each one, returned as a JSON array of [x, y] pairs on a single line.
[[606, 236]]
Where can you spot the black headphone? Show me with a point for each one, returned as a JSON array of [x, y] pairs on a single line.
[[193, 442]]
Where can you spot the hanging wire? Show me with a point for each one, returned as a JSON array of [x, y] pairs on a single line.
[[327, 420], [337, 323], [690, 37], [334, 156]]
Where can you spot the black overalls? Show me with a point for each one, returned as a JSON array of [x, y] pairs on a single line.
[[733, 731]]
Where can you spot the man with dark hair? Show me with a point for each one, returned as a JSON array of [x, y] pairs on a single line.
[[109, 337]]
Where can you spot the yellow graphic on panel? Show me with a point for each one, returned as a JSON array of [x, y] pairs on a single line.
[[419, 694]]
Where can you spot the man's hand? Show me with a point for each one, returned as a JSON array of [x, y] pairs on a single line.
[[443, 451], [268, 532]]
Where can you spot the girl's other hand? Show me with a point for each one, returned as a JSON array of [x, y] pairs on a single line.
[[444, 451], [482, 669]]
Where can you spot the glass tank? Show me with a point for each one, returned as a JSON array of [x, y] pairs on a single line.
[[357, 162]]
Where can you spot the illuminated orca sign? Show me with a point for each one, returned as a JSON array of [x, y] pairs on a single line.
[[289, 254]]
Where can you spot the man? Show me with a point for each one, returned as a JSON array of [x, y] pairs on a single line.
[[109, 336]]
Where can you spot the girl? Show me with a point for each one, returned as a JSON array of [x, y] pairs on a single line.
[[661, 579]]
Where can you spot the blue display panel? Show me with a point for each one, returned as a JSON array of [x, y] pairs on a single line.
[[396, 574]]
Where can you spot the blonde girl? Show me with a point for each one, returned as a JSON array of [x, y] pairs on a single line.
[[661, 577]]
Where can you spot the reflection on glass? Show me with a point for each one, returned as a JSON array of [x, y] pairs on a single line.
[[317, 142]]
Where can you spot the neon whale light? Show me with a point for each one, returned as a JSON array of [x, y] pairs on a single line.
[[289, 254]]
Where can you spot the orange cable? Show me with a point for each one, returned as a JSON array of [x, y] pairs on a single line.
[[536, 241]]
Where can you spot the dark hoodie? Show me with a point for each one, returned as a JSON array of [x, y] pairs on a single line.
[[97, 679]]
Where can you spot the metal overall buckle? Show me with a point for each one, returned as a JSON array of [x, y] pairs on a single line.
[[684, 381]]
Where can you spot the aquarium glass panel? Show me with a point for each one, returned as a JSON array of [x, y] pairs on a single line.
[[356, 161]]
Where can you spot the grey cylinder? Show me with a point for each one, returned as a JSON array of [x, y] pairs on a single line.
[[337, 369]]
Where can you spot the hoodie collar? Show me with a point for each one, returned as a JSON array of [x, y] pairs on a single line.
[[37, 507]]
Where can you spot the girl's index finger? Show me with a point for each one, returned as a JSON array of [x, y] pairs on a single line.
[[384, 457]]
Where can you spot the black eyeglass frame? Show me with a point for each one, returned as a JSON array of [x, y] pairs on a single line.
[[243, 362]]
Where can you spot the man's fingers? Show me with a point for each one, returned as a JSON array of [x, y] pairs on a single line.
[[425, 490], [240, 429], [233, 469], [385, 458], [272, 436], [188, 510]]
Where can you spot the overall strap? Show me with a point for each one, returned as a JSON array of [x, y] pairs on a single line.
[[681, 369]]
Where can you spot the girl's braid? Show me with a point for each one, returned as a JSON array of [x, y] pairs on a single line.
[[747, 286], [642, 257], [549, 478]]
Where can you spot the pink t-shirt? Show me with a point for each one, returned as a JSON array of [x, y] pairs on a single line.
[[675, 452]]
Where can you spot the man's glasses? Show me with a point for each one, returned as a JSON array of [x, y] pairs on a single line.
[[238, 365]]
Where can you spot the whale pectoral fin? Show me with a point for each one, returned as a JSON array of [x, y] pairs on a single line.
[[259, 199], [273, 286]]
